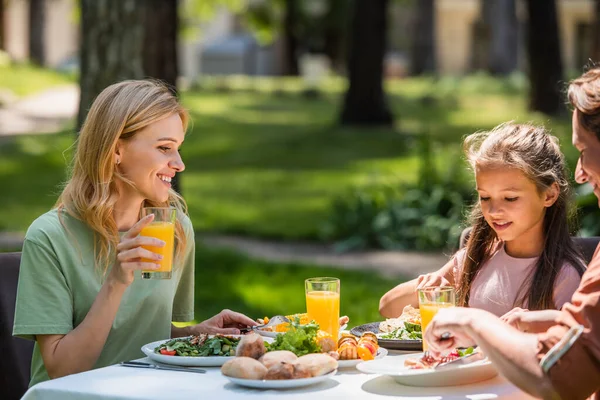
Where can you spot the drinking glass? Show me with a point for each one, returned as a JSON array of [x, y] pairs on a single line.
[[323, 303], [431, 300], [163, 228]]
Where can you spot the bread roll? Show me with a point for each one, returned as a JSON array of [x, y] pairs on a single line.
[[244, 368], [280, 370], [301, 371], [251, 345], [274, 357], [318, 364]]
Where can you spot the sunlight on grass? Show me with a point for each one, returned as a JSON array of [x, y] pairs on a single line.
[[26, 79]]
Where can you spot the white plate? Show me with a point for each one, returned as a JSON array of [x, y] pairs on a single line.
[[273, 334], [450, 376], [381, 352], [211, 361], [280, 384]]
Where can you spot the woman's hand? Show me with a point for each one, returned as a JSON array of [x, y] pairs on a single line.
[[531, 321], [434, 279], [130, 253], [226, 322], [452, 321], [514, 316]]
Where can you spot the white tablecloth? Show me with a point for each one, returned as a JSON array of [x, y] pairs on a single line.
[[117, 382]]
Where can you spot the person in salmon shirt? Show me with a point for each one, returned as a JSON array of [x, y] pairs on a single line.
[[80, 294], [520, 252], [550, 354]]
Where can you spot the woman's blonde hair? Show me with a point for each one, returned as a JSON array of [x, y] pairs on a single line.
[[119, 112], [533, 151], [584, 95]]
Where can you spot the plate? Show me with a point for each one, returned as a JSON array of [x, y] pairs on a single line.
[[211, 361], [280, 384], [273, 334], [450, 376], [390, 344], [381, 352]]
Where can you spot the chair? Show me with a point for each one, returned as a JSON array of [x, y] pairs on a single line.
[[15, 359], [587, 245]]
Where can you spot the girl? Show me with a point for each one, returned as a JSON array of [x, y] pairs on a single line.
[[519, 253], [79, 295]]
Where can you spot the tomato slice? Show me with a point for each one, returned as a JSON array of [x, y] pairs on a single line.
[[166, 352]]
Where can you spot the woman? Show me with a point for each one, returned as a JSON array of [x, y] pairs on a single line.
[[550, 354], [80, 296]]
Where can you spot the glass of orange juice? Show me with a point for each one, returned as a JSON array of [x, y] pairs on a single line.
[[431, 300], [163, 228], [323, 303]]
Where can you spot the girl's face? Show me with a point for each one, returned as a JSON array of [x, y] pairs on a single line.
[[512, 204], [150, 159], [588, 165]]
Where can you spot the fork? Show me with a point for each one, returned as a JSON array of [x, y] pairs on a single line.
[[444, 336], [276, 320]]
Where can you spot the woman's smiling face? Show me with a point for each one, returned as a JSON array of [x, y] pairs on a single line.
[[150, 159]]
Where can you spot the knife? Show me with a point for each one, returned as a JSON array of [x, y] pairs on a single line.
[[468, 359], [141, 364]]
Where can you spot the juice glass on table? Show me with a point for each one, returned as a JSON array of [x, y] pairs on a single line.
[[431, 300], [163, 228], [323, 303]]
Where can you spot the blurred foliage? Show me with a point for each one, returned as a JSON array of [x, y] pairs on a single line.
[[23, 79], [588, 212], [426, 215]]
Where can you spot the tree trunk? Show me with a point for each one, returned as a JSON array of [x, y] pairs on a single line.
[[290, 41], [423, 44], [545, 66], [596, 39], [365, 102], [2, 25], [501, 18], [111, 47], [37, 23], [161, 26]]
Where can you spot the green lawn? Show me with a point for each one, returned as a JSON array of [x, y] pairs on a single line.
[[225, 279], [263, 160], [26, 79]]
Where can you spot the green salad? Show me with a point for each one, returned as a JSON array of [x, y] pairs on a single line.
[[199, 346], [408, 332], [299, 339]]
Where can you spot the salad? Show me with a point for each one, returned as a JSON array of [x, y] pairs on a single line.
[[199, 346], [409, 331]]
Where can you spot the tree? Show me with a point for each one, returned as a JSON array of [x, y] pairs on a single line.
[[112, 39], [596, 39], [500, 17], [364, 102], [2, 39], [545, 65], [423, 45], [290, 41], [37, 24]]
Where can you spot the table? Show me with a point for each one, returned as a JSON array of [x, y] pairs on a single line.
[[117, 382]]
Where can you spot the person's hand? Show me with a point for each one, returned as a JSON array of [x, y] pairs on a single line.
[[226, 322], [450, 329], [431, 280], [130, 253], [514, 317]]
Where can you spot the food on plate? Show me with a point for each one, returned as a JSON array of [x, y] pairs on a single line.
[[199, 346], [326, 342], [280, 371], [409, 314], [251, 345], [427, 361], [367, 346], [348, 347], [244, 368], [317, 364], [300, 318], [300, 339], [279, 356]]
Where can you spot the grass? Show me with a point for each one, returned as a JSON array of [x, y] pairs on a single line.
[[25, 79], [226, 279], [263, 160]]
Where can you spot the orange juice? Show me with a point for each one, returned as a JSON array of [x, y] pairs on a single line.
[[428, 311], [324, 307], [164, 231]]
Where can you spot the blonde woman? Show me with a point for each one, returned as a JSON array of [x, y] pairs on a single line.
[[80, 297]]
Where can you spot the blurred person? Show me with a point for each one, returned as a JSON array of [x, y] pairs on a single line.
[[80, 296], [520, 252], [550, 354]]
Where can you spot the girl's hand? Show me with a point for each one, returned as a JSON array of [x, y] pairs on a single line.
[[226, 322], [532, 321], [452, 321], [431, 280], [130, 253], [514, 316]]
